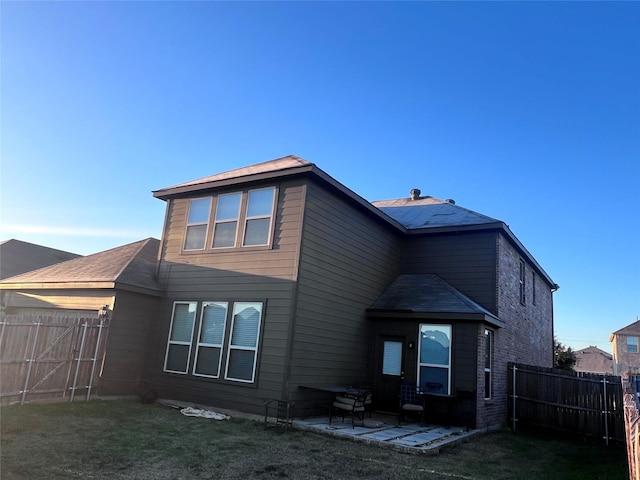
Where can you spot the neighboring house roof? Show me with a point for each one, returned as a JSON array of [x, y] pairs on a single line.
[[428, 296], [131, 267], [631, 329], [593, 360], [424, 215], [18, 257]]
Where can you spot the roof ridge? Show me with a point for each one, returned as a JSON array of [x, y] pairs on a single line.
[[143, 243]]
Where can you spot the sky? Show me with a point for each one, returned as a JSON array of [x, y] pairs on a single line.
[[528, 112]]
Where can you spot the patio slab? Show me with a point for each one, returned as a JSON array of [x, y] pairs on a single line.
[[386, 433]]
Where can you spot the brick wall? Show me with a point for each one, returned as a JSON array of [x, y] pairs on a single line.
[[528, 334]]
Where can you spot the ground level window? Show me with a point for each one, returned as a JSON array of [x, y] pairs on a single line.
[[488, 362], [243, 344], [434, 359], [179, 345]]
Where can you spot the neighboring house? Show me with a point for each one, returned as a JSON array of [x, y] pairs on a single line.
[[593, 360], [278, 278], [626, 349], [123, 280], [18, 257]]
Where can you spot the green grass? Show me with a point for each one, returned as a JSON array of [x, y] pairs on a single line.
[[129, 440]]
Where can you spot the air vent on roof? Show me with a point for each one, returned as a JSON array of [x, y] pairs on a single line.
[[451, 201], [415, 193]]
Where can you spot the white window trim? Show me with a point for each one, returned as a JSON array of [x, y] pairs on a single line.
[[227, 220], [448, 367], [170, 342], [489, 370], [195, 224], [245, 348], [210, 345], [257, 217]]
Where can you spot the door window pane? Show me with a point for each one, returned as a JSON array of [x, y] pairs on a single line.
[[392, 358]]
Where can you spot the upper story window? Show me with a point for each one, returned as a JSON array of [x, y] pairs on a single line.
[[488, 362], [197, 223], [522, 282], [239, 219], [533, 288], [632, 344]]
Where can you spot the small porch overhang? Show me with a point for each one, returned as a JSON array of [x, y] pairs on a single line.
[[427, 296]]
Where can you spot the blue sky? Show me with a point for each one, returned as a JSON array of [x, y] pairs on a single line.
[[528, 112]]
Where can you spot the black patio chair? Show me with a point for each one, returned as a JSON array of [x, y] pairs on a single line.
[[412, 401], [353, 405]]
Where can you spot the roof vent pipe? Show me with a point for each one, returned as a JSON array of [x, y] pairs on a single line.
[[415, 194]]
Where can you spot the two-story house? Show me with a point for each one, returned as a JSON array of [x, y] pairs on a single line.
[[626, 349], [278, 278]]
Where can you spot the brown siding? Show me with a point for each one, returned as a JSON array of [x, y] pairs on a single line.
[[127, 343], [466, 261], [256, 274], [347, 260]]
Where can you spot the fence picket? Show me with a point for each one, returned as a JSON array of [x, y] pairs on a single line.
[[588, 404], [37, 357]]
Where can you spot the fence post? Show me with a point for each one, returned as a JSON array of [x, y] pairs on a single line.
[[513, 407], [606, 410], [30, 361], [75, 379], [95, 357]]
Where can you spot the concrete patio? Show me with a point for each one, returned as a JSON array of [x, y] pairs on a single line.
[[384, 431]]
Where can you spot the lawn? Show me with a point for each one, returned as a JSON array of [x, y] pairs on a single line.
[[129, 440]]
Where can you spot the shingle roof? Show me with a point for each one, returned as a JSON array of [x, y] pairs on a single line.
[[426, 212], [271, 166], [18, 257], [132, 265], [429, 294], [593, 360]]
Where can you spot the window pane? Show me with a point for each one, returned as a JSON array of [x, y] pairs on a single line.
[[177, 358], [228, 207], [434, 380], [246, 324], [196, 236], [208, 361], [392, 358], [435, 344], [214, 316], [260, 202], [632, 344], [225, 235], [487, 385], [199, 210], [487, 349], [241, 364], [183, 318], [257, 232]]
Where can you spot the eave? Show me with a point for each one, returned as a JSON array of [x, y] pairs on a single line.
[[376, 314]]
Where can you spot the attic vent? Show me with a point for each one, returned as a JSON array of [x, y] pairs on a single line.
[[451, 201], [415, 194]]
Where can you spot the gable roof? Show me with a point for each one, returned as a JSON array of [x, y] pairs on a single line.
[[593, 360], [428, 296], [631, 329], [18, 257], [279, 167], [130, 267]]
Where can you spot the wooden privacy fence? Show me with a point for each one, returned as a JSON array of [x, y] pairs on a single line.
[[49, 357], [584, 403], [632, 424]]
